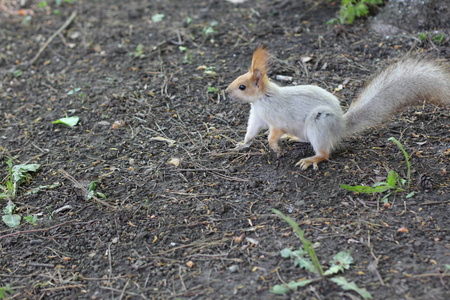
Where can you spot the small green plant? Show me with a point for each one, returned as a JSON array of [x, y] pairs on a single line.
[[10, 218], [42, 4], [77, 93], [92, 192], [139, 53], [5, 289], [17, 174], [158, 18], [187, 59], [212, 89], [423, 36], [350, 9], [31, 219], [437, 38], [339, 263], [394, 184], [206, 31], [59, 2], [69, 121]]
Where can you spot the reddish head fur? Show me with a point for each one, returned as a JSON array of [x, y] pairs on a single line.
[[251, 85]]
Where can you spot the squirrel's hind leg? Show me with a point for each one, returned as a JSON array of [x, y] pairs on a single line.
[[324, 128]]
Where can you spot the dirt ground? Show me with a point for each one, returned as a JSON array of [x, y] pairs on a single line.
[[186, 217]]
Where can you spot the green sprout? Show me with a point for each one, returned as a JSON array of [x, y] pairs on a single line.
[[139, 53], [340, 262], [394, 184]]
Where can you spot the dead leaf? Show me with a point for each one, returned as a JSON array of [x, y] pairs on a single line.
[[163, 139], [238, 239], [117, 124], [174, 161], [305, 59], [190, 264], [403, 230]]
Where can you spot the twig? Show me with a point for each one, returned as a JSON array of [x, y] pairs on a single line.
[[81, 187], [64, 26], [37, 230]]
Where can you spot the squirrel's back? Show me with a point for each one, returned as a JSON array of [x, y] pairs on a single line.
[[408, 82]]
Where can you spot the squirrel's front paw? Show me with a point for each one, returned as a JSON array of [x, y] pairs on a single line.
[[240, 146]]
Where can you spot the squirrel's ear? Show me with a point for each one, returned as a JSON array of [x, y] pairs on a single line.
[[257, 77], [260, 60]]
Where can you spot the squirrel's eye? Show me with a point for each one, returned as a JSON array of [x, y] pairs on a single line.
[[242, 87]]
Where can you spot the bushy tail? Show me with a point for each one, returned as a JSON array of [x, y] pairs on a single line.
[[408, 82]]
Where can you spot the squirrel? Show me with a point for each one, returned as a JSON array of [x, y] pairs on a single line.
[[314, 115]]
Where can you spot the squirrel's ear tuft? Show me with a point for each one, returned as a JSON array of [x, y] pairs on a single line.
[[260, 60]]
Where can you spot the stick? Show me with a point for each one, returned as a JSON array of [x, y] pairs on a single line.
[[37, 230], [64, 26]]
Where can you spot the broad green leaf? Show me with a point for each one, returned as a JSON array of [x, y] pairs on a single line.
[[282, 289], [305, 263], [31, 219], [92, 186], [3, 196], [343, 259], [361, 9], [392, 178], [158, 18], [69, 121], [286, 253], [344, 284], [9, 209], [20, 174], [351, 13], [295, 284], [12, 220], [340, 262]]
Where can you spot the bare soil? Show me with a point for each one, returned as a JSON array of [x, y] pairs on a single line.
[[187, 218]]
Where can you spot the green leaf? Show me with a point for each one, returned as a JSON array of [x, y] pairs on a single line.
[[9, 209], [70, 121], [410, 195], [305, 263], [73, 91], [361, 10], [101, 195], [286, 253], [366, 189], [351, 13], [12, 220], [158, 18], [212, 89], [340, 262], [31, 219], [282, 289], [19, 174], [344, 284], [92, 186], [392, 178]]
